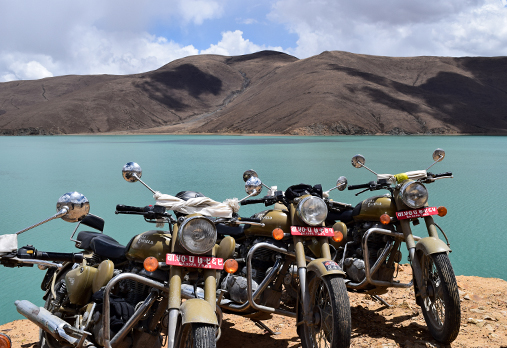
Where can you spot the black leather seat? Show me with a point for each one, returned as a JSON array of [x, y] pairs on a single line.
[[102, 245]]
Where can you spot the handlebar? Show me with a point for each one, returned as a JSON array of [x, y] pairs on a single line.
[[120, 208], [361, 186], [62, 257], [449, 174], [252, 201]]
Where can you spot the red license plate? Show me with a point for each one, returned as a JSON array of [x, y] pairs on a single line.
[[416, 213], [206, 262], [311, 231]]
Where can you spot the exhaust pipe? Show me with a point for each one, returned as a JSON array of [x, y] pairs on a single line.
[[50, 323]]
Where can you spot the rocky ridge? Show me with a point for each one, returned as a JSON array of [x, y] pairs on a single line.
[[270, 93]]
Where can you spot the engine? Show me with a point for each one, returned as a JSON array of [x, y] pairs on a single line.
[[351, 258]]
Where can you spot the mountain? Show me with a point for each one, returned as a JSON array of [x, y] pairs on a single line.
[[270, 92]]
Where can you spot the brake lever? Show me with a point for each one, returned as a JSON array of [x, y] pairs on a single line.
[[357, 194]]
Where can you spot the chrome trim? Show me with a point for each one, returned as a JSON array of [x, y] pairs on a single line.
[[371, 271], [108, 343], [252, 296], [59, 266]]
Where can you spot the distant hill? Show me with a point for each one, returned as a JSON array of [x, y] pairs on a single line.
[[270, 92]]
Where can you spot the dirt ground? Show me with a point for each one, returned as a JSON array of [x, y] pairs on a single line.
[[483, 321]]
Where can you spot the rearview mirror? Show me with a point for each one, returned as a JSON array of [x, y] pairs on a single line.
[[438, 155], [77, 206], [358, 161], [132, 172], [253, 186], [248, 174]]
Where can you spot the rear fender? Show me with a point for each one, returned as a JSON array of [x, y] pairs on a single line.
[[198, 311]]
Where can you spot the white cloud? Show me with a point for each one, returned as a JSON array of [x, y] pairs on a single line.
[[233, 44], [197, 11], [395, 27]]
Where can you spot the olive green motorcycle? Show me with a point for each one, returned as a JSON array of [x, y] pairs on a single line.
[[279, 262], [371, 234], [110, 295]]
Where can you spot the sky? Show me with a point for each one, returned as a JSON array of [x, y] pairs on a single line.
[[45, 38]]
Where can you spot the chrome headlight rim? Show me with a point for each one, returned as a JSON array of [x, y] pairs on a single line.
[[302, 214], [409, 201], [182, 231]]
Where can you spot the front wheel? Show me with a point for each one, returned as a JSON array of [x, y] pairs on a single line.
[[441, 308], [195, 335], [329, 303]]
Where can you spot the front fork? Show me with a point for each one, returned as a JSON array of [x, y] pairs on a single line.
[[409, 240], [175, 298], [302, 272]]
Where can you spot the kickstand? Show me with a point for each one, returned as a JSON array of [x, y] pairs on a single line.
[[263, 326], [380, 299]]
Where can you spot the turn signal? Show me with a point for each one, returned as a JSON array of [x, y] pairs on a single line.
[[338, 236], [278, 234], [385, 219], [5, 341], [442, 211], [231, 266], [150, 264]]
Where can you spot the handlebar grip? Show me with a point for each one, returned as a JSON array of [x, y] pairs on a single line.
[[361, 186], [121, 207], [443, 174], [249, 219], [64, 257], [252, 201]]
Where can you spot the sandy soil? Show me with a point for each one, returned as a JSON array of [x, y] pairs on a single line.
[[483, 321]]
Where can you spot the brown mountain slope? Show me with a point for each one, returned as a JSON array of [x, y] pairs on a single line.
[[270, 92]]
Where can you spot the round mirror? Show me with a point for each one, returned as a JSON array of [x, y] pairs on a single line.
[[253, 186], [358, 161], [438, 155], [130, 169], [77, 205], [248, 174], [341, 183]]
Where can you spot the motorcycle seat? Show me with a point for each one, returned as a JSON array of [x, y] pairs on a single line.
[[345, 216], [233, 231], [101, 244]]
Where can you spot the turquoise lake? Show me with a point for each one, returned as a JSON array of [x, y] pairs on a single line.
[[36, 171]]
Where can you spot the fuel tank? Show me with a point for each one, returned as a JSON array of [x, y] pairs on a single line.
[[154, 243], [373, 207], [276, 218]]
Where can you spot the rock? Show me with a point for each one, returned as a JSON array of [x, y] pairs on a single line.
[[477, 310], [488, 317], [466, 297]]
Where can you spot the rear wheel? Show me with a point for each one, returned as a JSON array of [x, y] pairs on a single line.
[[441, 308], [195, 335], [329, 302]]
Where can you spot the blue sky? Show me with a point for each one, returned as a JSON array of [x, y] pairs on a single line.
[[60, 37]]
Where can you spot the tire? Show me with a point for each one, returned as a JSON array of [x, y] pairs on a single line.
[[441, 308], [195, 335], [330, 303]]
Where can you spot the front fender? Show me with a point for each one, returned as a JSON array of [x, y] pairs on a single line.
[[324, 267], [198, 311], [432, 245]]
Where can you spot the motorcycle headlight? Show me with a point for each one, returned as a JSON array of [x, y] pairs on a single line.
[[414, 194], [312, 210], [197, 235]]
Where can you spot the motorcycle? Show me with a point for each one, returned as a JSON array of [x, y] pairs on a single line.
[[110, 295], [76, 312], [283, 265], [371, 236]]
